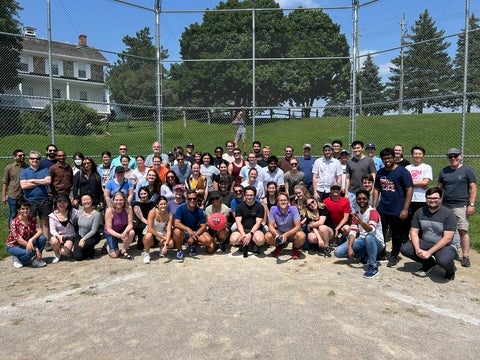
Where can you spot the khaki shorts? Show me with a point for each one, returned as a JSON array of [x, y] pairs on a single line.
[[462, 219]]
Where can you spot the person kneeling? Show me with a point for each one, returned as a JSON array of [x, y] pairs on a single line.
[[367, 226], [436, 224]]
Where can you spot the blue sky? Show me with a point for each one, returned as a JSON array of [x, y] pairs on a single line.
[[106, 22]]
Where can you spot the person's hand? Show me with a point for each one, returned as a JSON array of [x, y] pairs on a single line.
[[29, 246], [350, 254], [403, 214]]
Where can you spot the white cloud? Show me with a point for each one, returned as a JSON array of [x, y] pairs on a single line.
[[296, 3]]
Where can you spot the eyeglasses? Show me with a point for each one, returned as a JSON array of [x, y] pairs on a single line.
[[52, 150], [37, 159], [432, 198], [453, 156], [236, 153], [21, 155], [310, 203], [180, 159], [170, 177], [293, 164], [122, 148], [192, 199]]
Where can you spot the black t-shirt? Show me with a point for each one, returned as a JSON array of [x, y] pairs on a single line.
[[249, 214]]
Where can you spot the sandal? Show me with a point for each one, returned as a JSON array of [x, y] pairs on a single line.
[[126, 255]]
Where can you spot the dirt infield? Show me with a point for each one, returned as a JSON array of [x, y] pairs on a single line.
[[228, 307]]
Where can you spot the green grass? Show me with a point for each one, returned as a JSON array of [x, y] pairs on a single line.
[[436, 132]]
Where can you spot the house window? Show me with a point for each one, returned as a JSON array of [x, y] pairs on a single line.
[[26, 64], [57, 94], [57, 67], [81, 70], [83, 95]]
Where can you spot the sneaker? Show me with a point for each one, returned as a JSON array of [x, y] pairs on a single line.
[[16, 263], [260, 250], [193, 250], [277, 251], [223, 246], [392, 262], [180, 256], [450, 275], [465, 261], [327, 252], [56, 258], [38, 263], [371, 272], [295, 254], [428, 265], [146, 258]]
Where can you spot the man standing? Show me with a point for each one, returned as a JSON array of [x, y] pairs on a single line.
[[122, 150], [157, 150], [248, 218], [35, 182], [326, 171], [357, 166], [365, 239], [11, 189], [391, 197], [251, 164], [370, 149], [272, 172], [263, 161], [62, 176], [284, 162], [337, 147], [431, 236], [459, 183], [305, 165], [190, 227], [50, 157], [181, 169], [189, 155], [257, 149]]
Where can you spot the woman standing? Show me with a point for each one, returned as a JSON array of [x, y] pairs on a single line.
[[62, 229], [223, 175], [125, 161], [159, 229], [119, 226], [25, 240], [140, 172], [153, 183], [88, 180], [141, 209], [235, 166], [198, 183], [167, 189], [293, 178], [208, 170], [88, 229]]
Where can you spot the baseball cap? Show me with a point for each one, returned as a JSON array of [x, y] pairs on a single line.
[[178, 186], [336, 185], [344, 151], [307, 146], [119, 169], [370, 146], [327, 145], [190, 144], [453, 151]]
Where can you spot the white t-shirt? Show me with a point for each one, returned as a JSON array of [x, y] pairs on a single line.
[[418, 173]]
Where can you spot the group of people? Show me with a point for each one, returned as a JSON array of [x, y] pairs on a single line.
[[345, 201]]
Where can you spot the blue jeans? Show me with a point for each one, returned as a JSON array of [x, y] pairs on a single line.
[[12, 208], [369, 246], [112, 242], [352, 197], [24, 256]]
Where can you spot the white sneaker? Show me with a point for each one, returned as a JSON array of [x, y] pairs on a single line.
[[38, 263], [146, 258], [16, 263], [56, 258]]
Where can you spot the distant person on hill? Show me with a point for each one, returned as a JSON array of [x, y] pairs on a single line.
[[241, 133]]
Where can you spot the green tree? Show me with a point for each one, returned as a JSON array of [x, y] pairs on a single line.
[[371, 87], [131, 78], [10, 45], [71, 118], [228, 35], [312, 33], [473, 83], [427, 70]]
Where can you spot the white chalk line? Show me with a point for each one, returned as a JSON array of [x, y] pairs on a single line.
[[62, 294], [444, 312]]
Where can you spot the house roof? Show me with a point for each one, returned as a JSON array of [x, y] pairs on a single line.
[[63, 50]]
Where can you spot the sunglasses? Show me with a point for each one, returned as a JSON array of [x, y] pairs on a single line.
[[122, 149], [34, 159], [192, 199], [238, 191], [293, 164], [236, 153], [310, 203], [453, 156], [170, 177]]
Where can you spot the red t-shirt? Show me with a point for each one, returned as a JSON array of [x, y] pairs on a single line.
[[337, 209]]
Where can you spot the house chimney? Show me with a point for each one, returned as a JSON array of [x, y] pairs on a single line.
[[82, 40], [29, 31]]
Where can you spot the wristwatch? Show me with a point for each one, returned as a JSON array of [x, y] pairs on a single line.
[[471, 204]]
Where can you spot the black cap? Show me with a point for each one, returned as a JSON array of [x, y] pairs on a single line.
[[119, 169]]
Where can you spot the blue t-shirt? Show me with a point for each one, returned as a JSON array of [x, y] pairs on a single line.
[[393, 185], [114, 187], [192, 219], [39, 192], [306, 166]]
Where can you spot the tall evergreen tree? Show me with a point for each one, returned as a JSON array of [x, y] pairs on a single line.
[[10, 45], [371, 87], [427, 69], [473, 73]]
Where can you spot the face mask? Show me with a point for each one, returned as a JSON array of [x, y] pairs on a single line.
[[78, 162]]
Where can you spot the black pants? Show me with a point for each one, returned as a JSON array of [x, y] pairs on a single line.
[[88, 250], [444, 256], [400, 230]]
